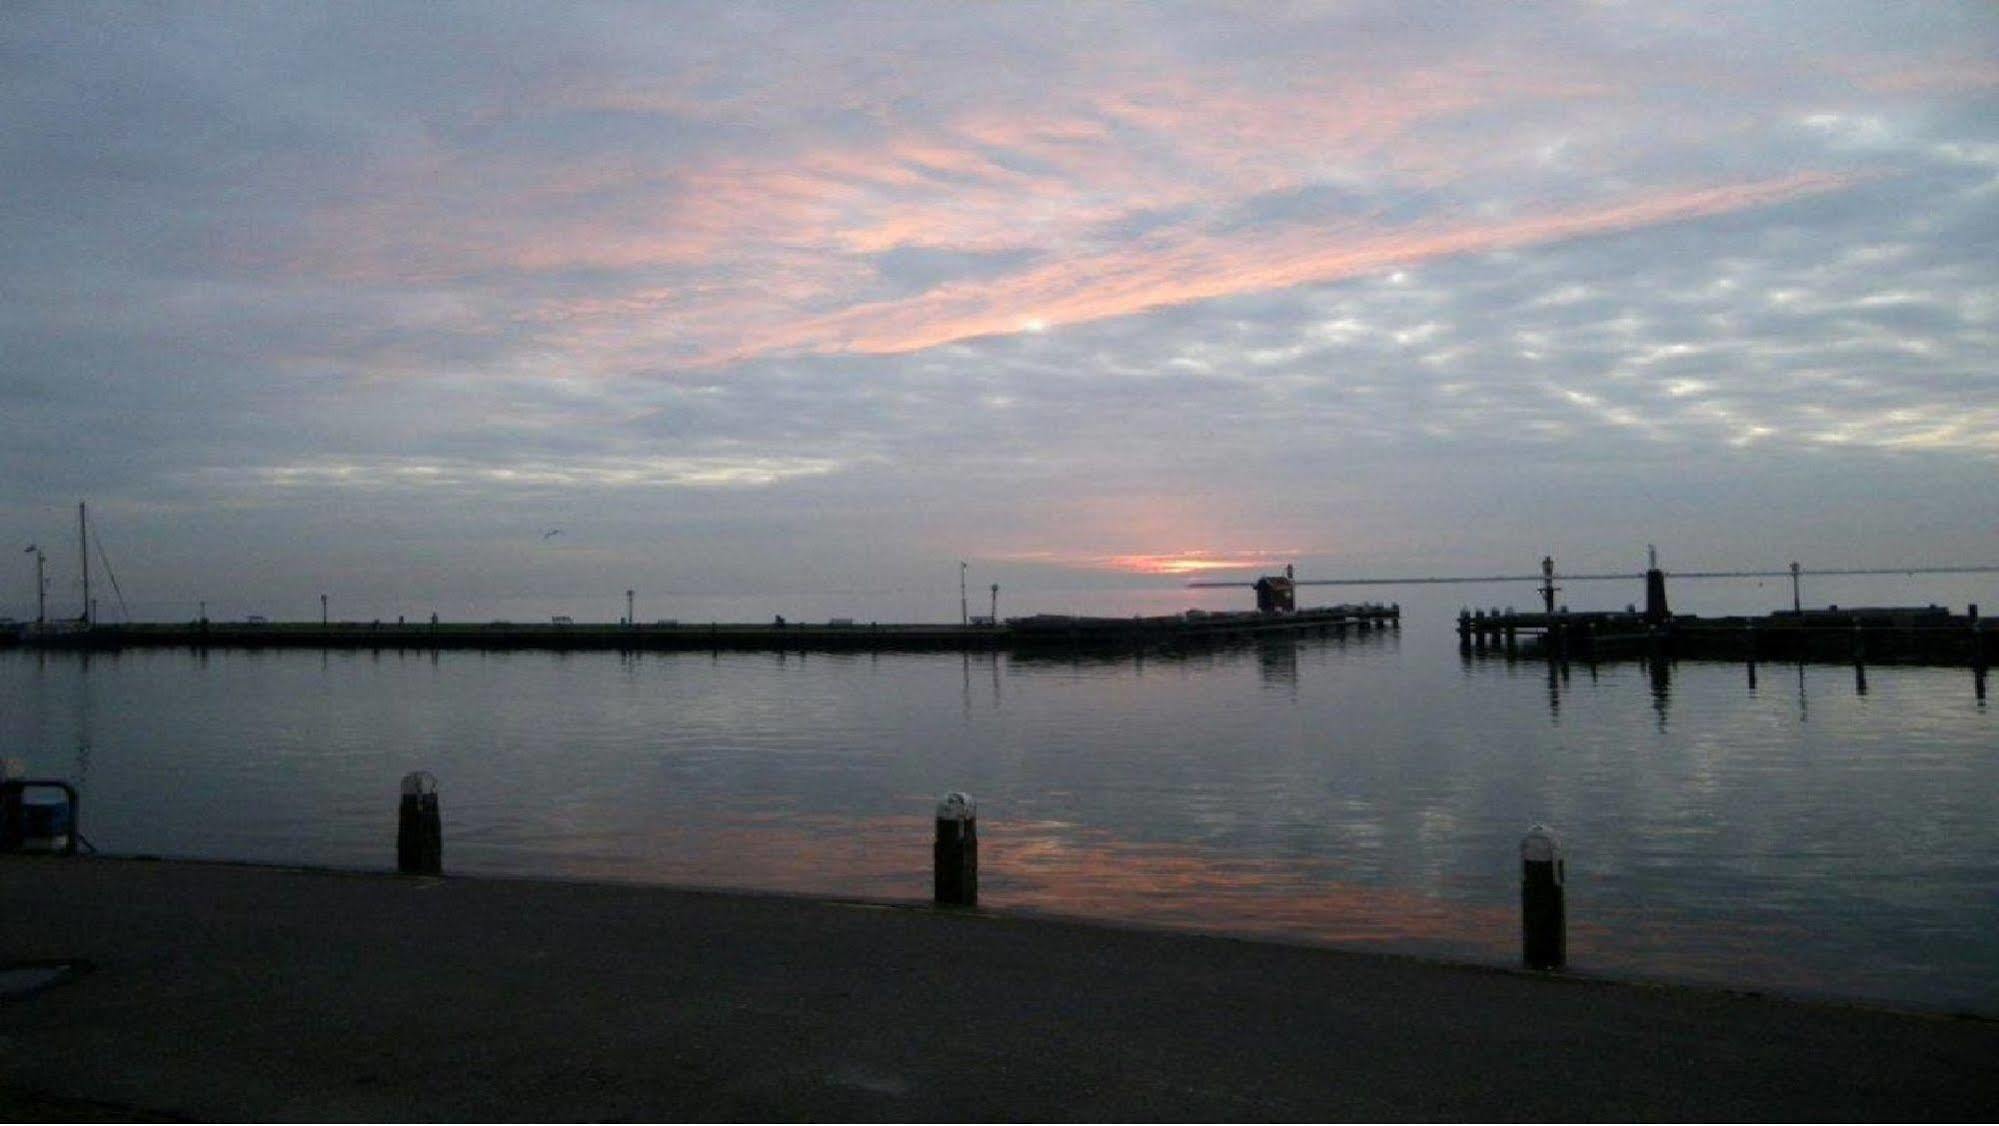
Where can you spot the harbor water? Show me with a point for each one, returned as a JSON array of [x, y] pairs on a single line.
[[1818, 830]]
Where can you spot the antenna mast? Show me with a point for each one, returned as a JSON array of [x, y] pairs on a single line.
[[41, 585], [83, 543]]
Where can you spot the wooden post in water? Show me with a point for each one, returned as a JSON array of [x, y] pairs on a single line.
[[1544, 937], [419, 827], [1749, 642], [1978, 659], [957, 851], [1859, 659]]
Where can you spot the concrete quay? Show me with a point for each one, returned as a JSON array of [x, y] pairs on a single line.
[[234, 992]]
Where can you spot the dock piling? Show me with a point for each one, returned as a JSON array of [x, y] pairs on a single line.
[[1544, 940], [957, 851], [419, 827]]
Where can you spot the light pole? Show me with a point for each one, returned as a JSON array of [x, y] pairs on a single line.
[[631, 618], [41, 585], [1797, 604], [83, 549], [995, 617], [322, 611], [964, 608]]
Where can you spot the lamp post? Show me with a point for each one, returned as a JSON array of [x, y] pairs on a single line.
[[41, 584], [964, 607]]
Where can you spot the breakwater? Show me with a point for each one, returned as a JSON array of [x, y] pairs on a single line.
[[1040, 631]]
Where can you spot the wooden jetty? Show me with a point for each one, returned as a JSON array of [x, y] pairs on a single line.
[[1875, 634], [1041, 631]]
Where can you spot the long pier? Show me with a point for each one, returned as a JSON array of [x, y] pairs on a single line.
[[1042, 631]]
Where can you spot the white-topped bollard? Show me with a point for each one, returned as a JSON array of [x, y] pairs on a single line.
[[957, 851], [1544, 937], [419, 827]]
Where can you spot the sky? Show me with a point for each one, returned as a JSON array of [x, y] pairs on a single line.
[[744, 298]]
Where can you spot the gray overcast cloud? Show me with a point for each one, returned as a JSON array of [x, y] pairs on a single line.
[[751, 297]]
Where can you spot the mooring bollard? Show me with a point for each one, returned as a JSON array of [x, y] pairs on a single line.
[[419, 827], [12, 829], [33, 818], [1544, 938], [957, 851]]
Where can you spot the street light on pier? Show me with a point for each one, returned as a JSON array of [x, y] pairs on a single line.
[[41, 584]]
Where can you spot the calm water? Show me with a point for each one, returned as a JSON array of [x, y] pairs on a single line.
[[1806, 833]]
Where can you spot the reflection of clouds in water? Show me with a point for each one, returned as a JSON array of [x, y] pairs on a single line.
[[1381, 807], [1731, 953], [1046, 866], [1062, 869]]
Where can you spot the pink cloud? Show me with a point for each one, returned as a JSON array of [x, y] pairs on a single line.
[[1195, 267], [1114, 198]]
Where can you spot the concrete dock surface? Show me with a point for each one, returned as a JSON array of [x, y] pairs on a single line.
[[235, 992]]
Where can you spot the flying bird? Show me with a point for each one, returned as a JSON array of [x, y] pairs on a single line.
[[551, 532]]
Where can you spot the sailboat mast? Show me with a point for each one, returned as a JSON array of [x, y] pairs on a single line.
[[83, 542]]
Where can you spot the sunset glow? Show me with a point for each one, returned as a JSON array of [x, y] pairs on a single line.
[[1191, 563]]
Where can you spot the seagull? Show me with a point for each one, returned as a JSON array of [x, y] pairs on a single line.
[[30, 547], [551, 532]]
